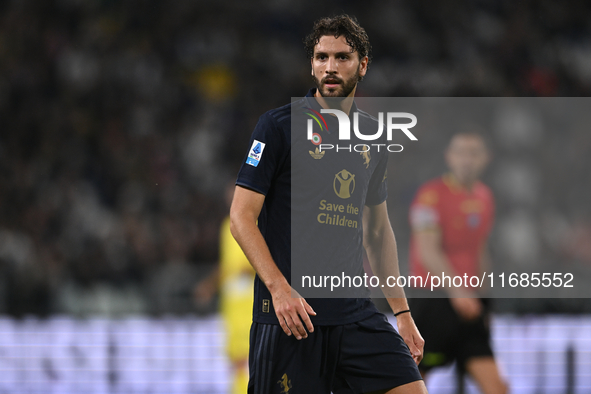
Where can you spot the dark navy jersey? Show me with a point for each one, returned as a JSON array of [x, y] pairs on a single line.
[[320, 197]]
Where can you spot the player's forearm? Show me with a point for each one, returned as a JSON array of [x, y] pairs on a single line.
[[436, 262], [484, 264], [485, 261], [382, 253], [250, 239]]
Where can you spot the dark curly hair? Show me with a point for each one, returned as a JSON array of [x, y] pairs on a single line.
[[340, 25]]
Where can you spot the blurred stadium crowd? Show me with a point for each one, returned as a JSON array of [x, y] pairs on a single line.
[[123, 122]]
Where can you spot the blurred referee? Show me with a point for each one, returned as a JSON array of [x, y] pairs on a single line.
[[451, 218]]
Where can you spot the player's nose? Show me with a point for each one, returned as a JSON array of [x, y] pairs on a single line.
[[331, 65]]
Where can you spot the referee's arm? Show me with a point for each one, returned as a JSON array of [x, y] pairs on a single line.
[[433, 257], [291, 312], [380, 245]]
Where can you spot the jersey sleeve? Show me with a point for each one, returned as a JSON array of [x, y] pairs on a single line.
[[424, 211], [377, 191], [266, 153]]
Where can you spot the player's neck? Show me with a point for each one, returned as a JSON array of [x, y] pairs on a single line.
[[344, 104], [454, 181]]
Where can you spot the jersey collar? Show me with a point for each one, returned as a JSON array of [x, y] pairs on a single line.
[[312, 103], [455, 186]]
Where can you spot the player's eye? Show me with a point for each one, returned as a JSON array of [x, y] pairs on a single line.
[[321, 57]]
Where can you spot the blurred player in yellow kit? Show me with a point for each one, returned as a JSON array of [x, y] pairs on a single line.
[[236, 281], [235, 278]]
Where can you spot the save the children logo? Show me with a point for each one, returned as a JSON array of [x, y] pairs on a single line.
[[344, 184]]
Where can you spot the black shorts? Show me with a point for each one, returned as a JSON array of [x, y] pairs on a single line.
[[447, 337], [365, 356]]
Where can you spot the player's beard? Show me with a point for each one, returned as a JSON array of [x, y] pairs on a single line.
[[343, 90]]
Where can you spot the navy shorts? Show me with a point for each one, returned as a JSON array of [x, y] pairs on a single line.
[[447, 337], [360, 357]]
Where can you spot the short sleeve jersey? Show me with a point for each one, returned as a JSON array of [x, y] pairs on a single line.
[[352, 178], [464, 217]]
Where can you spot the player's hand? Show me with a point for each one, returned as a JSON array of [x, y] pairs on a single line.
[[293, 312], [467, 308], [411, 335]]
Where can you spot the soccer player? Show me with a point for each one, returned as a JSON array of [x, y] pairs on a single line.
[[451, 218], [234, 278], [236, 297], [341, 345]]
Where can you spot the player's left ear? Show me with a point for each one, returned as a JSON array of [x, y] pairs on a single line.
[[363, 66], [312, 65]]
